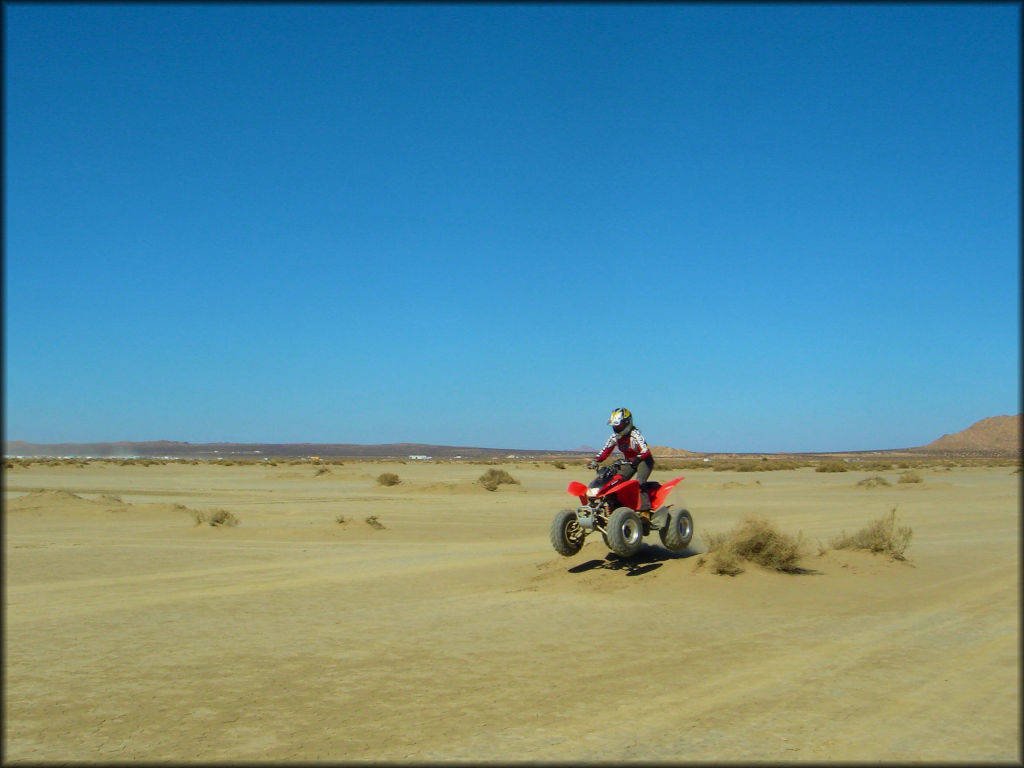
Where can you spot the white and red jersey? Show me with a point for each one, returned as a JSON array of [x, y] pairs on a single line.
[[632, 445]]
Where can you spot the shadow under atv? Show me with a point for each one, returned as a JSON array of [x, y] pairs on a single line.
[[644, 560]]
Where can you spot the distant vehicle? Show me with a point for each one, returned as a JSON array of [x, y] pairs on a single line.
[[609, 505]]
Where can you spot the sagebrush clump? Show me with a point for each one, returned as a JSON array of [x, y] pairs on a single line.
[[756, 541], [831, 466], [880, 536], [388, 478], [873, 482], [216, 517], [492, 478]]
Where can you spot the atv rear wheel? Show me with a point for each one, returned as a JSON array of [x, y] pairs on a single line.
[[677, 534], [566, 533], [625, 532]]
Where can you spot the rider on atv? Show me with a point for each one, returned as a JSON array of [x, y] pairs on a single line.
[[631, 443]]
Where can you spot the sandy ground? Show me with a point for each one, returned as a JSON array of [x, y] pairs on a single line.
[[457, 633]]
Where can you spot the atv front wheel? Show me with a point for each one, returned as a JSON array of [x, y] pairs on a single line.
[[677, 533], [566, 533], [625, 532]]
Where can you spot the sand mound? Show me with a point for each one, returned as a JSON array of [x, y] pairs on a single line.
[[44, 497], [59, 504], [448, 488], [734, 484], [52, 499]]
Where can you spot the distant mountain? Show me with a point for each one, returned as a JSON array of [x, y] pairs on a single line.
[[997, 434]]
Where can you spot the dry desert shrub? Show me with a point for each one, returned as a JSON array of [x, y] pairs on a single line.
[[387, 478], [910, 477], [831, 466], [215, 517], [755, 466], [373, 522], [873, 482], [784, 464], [322, 471], [723, 560], [340, 519], [558, 464], [756, 541], [880, 536], [876, 466], [492, 478], [764, 464]]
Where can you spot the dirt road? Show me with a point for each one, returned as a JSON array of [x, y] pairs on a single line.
[[456, 633]]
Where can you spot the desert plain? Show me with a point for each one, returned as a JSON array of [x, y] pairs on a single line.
[[452, 631]]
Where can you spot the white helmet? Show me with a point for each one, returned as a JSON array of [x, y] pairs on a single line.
[[621, 421]]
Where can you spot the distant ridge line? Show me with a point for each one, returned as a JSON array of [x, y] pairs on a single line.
[[175, 449], [993, 436]]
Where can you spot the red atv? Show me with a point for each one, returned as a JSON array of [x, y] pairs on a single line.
[[609, 505]]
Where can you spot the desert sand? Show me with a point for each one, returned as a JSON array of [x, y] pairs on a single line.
[[455, 632]]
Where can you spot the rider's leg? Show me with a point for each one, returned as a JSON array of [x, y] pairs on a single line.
[[643, 471]]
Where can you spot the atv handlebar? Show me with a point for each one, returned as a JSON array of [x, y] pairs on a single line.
[[616, 465]]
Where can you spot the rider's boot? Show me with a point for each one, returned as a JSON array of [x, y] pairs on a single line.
[[645, 506]]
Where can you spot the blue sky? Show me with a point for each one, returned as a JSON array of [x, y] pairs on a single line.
[[760, 227]]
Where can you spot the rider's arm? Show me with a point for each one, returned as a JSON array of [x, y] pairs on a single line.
[[607, 450]]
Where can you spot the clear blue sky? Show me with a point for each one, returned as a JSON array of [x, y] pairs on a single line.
[[759, 227]]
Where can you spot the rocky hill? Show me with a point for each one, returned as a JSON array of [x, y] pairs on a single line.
[[665, 452], [997, 434]]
